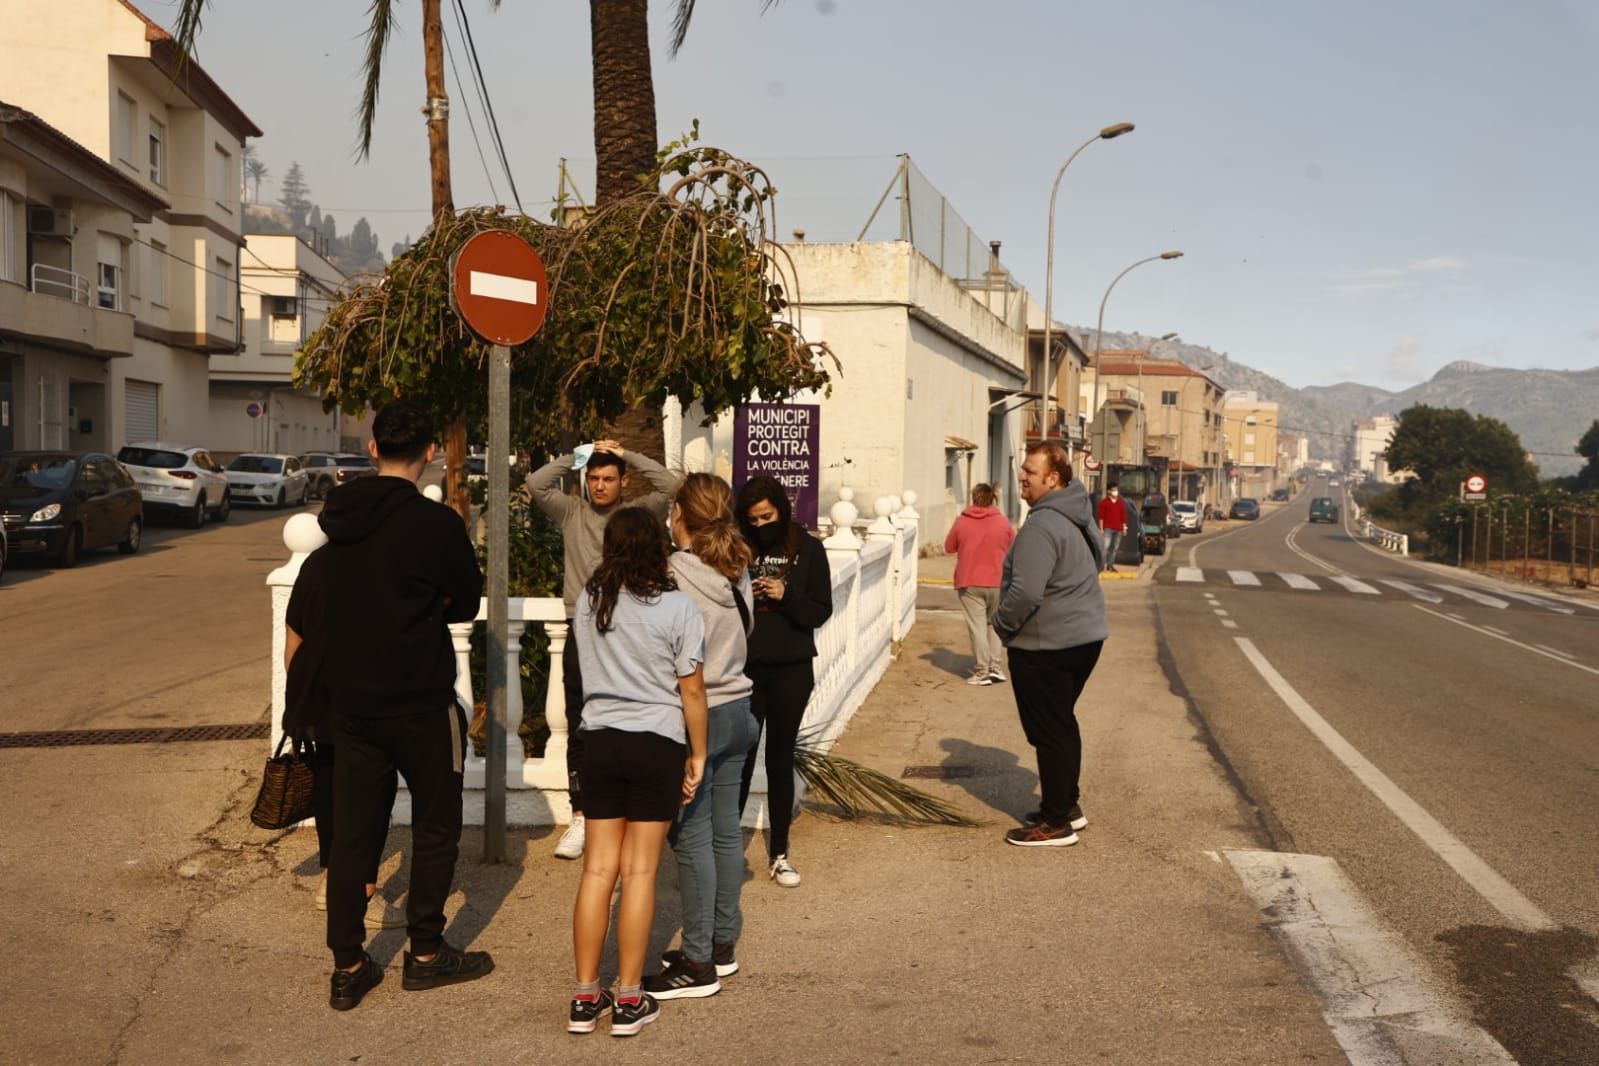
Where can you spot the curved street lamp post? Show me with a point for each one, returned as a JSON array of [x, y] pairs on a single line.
[[1099, 370]]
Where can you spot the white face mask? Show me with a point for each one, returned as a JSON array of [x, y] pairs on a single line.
[[1115, 494]]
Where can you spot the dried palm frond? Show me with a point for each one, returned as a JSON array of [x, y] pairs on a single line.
[[856, 790]]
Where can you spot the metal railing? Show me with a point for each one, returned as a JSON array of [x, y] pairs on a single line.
[[1540, 545], [48, 280], [1386, 539]]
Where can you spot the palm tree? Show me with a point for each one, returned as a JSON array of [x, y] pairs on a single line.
[[255, 170]]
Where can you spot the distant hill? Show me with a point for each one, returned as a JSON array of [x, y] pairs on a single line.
[[1548, 409]]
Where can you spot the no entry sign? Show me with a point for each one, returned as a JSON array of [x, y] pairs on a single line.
[[1476, 483], [499, 287]]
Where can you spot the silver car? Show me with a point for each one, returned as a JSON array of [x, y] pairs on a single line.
[[1191, 518], [268, 480], [178, 478]]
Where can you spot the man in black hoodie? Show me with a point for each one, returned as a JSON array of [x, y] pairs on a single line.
[[398, 569]]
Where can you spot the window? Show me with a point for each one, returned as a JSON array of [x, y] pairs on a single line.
[[158, 152], [1250, 420], [123, 122], [1168, 398], [1249, 438], [220, 286], [1249, 458], [156, 275], [8, 249], [221, 175], [110, 288]]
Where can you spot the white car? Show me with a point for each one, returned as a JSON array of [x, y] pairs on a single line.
[[178, 478], [267, 479], [1189, 515]]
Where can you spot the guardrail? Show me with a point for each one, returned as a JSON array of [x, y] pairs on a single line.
[[1385, 538]]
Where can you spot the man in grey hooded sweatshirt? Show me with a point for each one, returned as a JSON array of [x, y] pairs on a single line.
[[1052, 619]]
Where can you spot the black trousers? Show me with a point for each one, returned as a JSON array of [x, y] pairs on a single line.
[[428, 749], [781, 692], [572, 687], [322, 806], [1047, 684]]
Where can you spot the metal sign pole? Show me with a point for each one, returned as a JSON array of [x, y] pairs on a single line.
[[499, 520]]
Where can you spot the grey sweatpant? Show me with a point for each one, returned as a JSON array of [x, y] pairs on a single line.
[[978, 604]]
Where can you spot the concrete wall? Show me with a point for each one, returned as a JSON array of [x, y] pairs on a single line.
[[292, 422]]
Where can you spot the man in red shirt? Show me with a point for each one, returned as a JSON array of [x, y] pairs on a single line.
[[1113, 511]]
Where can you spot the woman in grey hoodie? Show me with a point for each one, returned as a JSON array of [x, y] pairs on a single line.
[[712, 566]]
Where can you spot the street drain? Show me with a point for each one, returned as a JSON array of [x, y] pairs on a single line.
[[72, 738], [940, 773]]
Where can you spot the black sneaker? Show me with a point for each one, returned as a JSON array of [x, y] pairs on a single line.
[[1076, 816], [628, 1018], [1042, 835], [683, 978], [586, 1013], [721, 955], [350, 985], [448, 967]]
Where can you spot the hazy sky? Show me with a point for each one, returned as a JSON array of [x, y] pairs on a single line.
[[1363, 190]]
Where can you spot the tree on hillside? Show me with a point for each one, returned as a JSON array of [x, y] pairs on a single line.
[[1443, 445], [295, 195], [1588, 448], [254, 171]]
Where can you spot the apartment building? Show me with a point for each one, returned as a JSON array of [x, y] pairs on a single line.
[[108, 78], [1368, 447], [1178, 424], [1252, 443]]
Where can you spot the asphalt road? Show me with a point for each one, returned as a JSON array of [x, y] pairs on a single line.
[[1437, 737]]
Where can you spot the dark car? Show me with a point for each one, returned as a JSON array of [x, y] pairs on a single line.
[[1324, 509], [1246, 508], [1279, 495], [58, 504], [328, 470]]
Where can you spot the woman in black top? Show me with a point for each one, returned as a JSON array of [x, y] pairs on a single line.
[[793, 586]]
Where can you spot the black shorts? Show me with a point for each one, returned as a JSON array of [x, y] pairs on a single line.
[[637, 776]]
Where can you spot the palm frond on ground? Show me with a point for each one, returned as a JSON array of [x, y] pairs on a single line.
[[858, 790]]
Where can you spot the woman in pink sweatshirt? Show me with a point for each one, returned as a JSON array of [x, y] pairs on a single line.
[[980, 538]]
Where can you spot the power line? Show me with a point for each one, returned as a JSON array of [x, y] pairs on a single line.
[[467, 107], [494, 124]]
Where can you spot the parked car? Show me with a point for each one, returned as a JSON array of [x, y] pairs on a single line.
[[1188, 513], [59, 505], [5, 549], [328, 470], [178, 479], [1245, 508], [1324, 509], [1279, 495], [267, 479]]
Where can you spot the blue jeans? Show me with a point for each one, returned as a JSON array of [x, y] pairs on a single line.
[[708, 841], [1113, 543]]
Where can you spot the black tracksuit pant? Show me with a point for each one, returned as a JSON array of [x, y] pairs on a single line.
[[778, 702], [572, 688], [1047, 684], [322, 807], [428, 749]]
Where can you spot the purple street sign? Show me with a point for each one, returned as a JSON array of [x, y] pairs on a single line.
[[784, 441]]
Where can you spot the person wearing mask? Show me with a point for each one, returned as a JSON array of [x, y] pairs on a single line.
[[1052, 619], [793, 585], [582, 523], [399, 570], [642, 644], [979, 540], [1113, 519], [712, 566]]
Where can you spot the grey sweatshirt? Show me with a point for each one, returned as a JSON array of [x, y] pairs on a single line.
[[1049, 594], [583, 524], [726, 637]]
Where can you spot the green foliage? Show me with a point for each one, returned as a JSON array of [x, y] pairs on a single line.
[[1442, 446], [1588, 448]]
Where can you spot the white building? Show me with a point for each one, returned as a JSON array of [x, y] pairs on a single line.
[[1368, 441], [288, 289], [108, 78]]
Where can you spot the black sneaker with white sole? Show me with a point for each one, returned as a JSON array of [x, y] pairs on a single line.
[[627, 1018], [1076, 816], [587, 1010], [721, 955], [683, 978], [449, 966], [1042, 835]]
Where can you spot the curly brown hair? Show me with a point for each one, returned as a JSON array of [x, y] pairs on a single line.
[[633, 557]]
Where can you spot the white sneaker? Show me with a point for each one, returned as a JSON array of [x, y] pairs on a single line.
[[997, 675], [783, 872], [980, 679], [384, 913], [570, 846]]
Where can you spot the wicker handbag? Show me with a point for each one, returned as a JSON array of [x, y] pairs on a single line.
[[285, 799]]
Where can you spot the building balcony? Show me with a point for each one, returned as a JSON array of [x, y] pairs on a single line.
[[58, 311], [1061, 426]]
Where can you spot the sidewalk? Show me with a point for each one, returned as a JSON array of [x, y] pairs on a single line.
[[158, 926]]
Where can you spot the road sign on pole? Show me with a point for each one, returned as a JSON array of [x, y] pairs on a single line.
[[1474, 487], [500, 290]]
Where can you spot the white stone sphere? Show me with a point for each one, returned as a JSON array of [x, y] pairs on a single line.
[[884, 506], [434, 493], [909, 497], [301, 534], [846, 493], [843, 514]]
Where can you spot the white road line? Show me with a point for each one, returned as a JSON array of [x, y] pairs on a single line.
[[1558, 657], [1496, 632], [1414, 590], [1355, 586], [1475, 597], [1228, 623], [1374, 990], [1220, 613], [1244, 577], [1300, 581], [1504, 897], [1548, 605], [1294, 547], [1190, 573], [1555, 651], [1458, 617], [503, 287]]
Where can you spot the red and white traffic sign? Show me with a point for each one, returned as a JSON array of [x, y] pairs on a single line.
[[499, 287], [1090, 463], [1476, 483]]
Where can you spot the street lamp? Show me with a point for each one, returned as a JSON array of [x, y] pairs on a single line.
[[1099, 338], [1106, 134]]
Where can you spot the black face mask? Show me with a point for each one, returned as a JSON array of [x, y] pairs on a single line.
[[770, 536]]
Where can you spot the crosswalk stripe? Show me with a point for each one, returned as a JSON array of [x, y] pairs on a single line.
[[1548, 605], [1190, 573], [1414, 590], [1475, 597], [1300, 581], [1355, 586], [1243, 577]]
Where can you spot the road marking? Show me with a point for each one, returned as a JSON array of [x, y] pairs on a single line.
[[1548, 605], [1220, 613], [1458, 617], [1300, 581], [1193, 553], [1415, 590], [1556, 656], [1244, 577], [1355, 586], [1370, 984], [1504, 897], [1475, 597], [1190, 573], [503, 287], [1555, 651], [1496, 632], [1293, 546], [1228, 623]]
